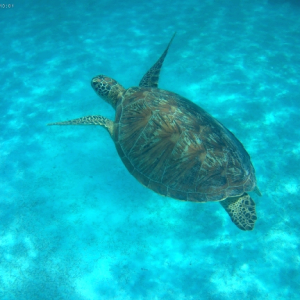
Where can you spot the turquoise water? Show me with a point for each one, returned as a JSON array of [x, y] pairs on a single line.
[[74, 224]]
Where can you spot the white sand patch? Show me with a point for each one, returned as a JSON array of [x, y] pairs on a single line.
[[138, 32], [277, 116], [187, 53], [240, 280], [292, 187], [142, 52], [77, 86], [270, 118], [85, 286], [228, 97], [7, 240], [296, 149], [194, 89], [40, 90], [283, 239], [17, 255]]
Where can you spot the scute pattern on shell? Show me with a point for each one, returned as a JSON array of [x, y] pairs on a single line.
[[177, 149]]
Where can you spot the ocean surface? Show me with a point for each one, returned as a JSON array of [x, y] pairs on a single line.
[[74, 224]]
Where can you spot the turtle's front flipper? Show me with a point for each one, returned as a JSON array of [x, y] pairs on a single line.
[[90, 120], [241, 211], [151, 78]]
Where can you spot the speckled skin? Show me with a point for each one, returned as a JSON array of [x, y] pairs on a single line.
[[175, 148]]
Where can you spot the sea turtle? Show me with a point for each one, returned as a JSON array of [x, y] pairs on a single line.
[[175, 148]]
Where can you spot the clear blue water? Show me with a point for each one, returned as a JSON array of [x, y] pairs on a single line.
[[73, 223]]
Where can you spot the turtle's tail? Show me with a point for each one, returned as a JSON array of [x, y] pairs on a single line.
[[257, 191]]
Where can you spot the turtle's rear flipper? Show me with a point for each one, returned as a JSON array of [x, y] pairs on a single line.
[[241, 211]]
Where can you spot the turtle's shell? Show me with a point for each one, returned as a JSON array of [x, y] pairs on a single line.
[[175, 148]]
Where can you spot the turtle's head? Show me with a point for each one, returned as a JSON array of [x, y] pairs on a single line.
[[108, 89]]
